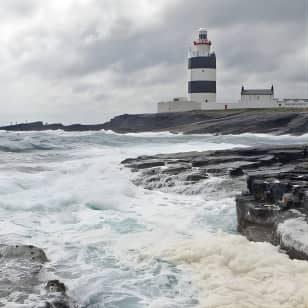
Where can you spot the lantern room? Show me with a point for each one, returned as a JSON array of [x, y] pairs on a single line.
[[202, 46], [202, 39]]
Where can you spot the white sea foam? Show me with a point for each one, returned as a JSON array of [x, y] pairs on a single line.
[[232, 272], [144, 134], [294, 234]]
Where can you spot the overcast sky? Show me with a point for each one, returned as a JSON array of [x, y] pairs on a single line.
[[88, 60]]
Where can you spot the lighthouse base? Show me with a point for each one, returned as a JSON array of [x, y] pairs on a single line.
[[178, 106], [202, 97]]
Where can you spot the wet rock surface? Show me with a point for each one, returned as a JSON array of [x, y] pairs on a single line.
[[22, 281], [273, 205]]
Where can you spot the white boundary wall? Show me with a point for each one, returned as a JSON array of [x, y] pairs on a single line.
[[239, 105], [256, 104], [291, 103], [180, 106]]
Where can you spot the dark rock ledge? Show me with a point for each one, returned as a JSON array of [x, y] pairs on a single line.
[[20, 281], [275, 121], [273, 206]]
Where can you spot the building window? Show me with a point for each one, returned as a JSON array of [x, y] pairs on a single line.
[[258, 97]]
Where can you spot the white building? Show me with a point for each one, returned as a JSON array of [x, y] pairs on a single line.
[[257, 95], [202, 86], [256, 99]]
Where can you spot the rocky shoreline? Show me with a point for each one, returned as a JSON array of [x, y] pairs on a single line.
[[22, 283], [191, 122], [273, 205]]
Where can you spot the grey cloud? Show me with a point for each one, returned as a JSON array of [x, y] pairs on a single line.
[[125, 50], [18, 8], [130, 51], [222, 13], [251, 39]]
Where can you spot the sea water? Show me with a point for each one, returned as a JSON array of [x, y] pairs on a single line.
[[115, 244]]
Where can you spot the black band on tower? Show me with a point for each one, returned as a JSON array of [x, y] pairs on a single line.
[[202, 62], [202, 86]]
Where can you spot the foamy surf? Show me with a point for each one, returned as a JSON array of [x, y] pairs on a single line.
[[117, 245], [232, 272]]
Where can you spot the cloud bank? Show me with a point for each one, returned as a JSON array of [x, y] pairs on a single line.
[[88, 60]]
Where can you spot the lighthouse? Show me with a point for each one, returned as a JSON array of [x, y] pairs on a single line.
[[202, 86], [202, 70]]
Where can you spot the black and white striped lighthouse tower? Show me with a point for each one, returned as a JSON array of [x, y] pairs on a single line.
[[202, 70]]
